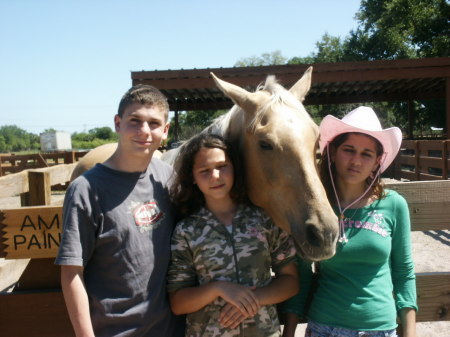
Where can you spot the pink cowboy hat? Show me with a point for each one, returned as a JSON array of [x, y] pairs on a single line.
[[363, 120]]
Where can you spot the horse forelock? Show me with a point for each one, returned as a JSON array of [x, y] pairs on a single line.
[[278, 97]]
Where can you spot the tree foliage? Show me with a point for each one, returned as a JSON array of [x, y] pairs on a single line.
[[192, 122], [393, 29], [387, 29], [14, 139], [93, 138], [266, 59]]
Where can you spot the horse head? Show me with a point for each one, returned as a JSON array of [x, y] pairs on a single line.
[[278, 140]]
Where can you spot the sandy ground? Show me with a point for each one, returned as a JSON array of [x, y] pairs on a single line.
[[431, 253]]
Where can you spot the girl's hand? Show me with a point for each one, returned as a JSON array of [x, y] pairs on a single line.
[[231, 317], [242, 297]]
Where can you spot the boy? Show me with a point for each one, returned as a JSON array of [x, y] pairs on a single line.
[[117, 225]]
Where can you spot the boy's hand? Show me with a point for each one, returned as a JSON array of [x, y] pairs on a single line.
[[231, 317], [241, 297]]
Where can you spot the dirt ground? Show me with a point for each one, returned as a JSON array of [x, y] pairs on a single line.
[[431, 253]]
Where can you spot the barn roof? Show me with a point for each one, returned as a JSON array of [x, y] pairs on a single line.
[[332, 83]]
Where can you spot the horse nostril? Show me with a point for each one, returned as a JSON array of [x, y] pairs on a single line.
[[312, 236]]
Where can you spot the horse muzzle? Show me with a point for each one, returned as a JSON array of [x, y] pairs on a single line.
[[316, 241]]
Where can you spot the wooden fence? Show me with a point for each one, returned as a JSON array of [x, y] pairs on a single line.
[[32, 304], [423, 160], [418, 160], [12, 163]]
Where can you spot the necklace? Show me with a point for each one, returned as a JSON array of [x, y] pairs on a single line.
[[343, 220], [346, 218]]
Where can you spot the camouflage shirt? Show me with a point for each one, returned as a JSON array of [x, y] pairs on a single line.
[[203, 251]]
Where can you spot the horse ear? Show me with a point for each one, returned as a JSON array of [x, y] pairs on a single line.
[[238, 95], [301, 88]]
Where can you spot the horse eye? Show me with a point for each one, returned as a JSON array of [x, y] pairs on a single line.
[[265, 145]]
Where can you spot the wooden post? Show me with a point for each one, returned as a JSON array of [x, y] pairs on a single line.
[[69, 157], [445, 149], [447, 107], [39, 160], [393, 170], [417, 155], [39, 188], [410, 119], [12, 160], [40, 273], [177, 127]]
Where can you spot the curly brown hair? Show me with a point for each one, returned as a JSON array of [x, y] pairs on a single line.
[[377, 187], [186, 195]]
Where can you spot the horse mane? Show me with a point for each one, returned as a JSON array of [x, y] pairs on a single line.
[[220, 125], [229, 125]]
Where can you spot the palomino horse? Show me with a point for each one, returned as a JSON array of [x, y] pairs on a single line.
[[97, 155], [277, 140]]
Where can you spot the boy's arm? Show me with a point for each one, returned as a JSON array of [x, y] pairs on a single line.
[[77, 303], [192, 299]]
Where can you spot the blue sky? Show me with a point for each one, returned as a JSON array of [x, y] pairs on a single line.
[[65, 64]]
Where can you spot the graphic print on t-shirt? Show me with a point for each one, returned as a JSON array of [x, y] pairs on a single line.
[[147, 215], [374, 223]]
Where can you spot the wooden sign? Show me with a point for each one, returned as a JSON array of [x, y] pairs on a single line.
[[31, 232]]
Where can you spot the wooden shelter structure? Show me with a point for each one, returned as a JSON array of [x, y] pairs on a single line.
[[332, 83]]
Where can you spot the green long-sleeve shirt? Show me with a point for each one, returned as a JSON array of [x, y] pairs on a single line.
[[371, 276]]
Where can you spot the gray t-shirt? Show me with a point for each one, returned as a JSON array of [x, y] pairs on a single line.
[[118, 225]]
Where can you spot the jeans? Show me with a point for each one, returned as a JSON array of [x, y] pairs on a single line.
[[318, 330]]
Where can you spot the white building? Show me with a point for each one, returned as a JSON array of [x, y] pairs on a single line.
[[55, 141]]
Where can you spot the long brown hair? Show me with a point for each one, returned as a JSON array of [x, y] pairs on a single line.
[[377, 187], [184, 193]]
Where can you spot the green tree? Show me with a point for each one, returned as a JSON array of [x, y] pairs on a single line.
[[82, 137], [16, 139], [393, 29], [105, 133], [93, 138], [266, 59], [3, 145], [330, 49], [51, 130], [301, 60], [192, 122]]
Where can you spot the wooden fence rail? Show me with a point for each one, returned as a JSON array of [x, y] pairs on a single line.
[[423, 160], [12, 163], [36, 300], [18, 183]]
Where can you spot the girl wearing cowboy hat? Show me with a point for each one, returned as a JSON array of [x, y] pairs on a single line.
[[371, 279]]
